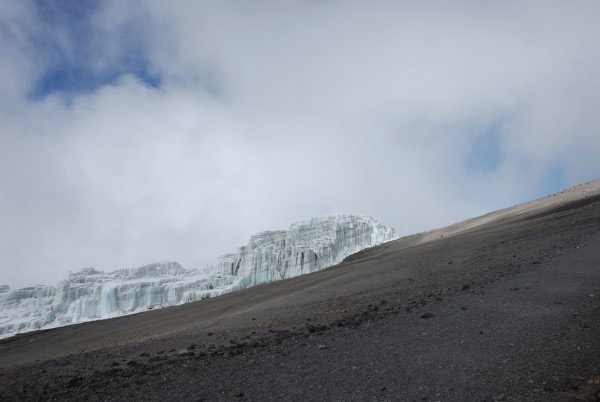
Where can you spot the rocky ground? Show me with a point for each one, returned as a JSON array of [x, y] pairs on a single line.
[[505, 310]]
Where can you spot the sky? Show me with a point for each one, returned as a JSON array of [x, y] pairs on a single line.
[[137, 131]]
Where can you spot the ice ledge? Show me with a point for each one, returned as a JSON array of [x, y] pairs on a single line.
[[89, 294]]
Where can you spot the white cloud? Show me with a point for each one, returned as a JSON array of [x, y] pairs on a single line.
[[273, 112]]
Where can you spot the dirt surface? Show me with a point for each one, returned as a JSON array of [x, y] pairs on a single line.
[[503, 307]]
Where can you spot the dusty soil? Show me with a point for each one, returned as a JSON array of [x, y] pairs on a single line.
[[506, 307]]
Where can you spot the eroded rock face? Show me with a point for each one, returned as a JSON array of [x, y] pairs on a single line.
[[269, 256]]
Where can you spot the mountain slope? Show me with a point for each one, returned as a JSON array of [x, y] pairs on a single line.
[[269, 256], [505, 307]]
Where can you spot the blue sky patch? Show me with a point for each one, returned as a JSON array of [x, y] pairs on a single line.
[[485, 154], [71, 66]]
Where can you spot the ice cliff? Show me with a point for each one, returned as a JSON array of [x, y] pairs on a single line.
[[305, 247], [269, 256], [90, 295]]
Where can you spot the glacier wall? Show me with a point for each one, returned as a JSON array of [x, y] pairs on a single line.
[[90, 295], [269, 256], [306, 247]]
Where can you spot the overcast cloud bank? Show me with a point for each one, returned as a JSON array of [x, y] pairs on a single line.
[[138, 131]]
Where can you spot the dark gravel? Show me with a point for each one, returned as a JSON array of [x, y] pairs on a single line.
[[514, 316]]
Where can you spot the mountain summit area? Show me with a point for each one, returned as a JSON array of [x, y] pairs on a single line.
[[269, 256], [501, 307]]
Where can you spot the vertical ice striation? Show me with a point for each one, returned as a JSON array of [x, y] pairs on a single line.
[[269, 256], [306, 247], [90, 295]]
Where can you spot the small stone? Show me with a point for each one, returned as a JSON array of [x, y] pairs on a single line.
[[321, 347], [75, 381], [427, 315], [191, 347]]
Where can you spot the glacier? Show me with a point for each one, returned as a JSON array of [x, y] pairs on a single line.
[[269, 256], [305, 247], [91, 295]]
